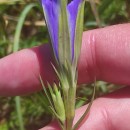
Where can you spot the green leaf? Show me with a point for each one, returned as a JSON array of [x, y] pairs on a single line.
[[44, 88], [59, 105], [57, 117], [19, 112], [20, 25], [15, 48], [54, 112], [95, 12], [87, 110], [56, 71], [105, 5]]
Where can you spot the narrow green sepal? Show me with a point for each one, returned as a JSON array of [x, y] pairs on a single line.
[[64, 46], [78, 32]]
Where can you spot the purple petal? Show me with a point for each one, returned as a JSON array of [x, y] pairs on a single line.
[[51, 11], [72, 16]]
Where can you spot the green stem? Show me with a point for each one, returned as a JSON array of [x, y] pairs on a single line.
[[87, 110], [15, 49], [95, 12], [18, 109], [69, 108]]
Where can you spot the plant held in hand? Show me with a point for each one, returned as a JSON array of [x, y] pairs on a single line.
[[64, 20]]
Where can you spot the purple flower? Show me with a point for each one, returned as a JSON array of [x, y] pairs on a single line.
[[52, 10], [65, 25]]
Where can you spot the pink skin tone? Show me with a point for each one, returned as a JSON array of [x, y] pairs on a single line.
[[105, 54]]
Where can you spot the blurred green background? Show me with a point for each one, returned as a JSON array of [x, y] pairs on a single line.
[[22, 26]]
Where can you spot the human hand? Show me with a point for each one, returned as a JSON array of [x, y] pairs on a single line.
[[105, 54]]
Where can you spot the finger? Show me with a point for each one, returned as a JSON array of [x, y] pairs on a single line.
[[19, 72], [104, 54], [107, 113]]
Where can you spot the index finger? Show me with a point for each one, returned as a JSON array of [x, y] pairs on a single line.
[[105, 54]]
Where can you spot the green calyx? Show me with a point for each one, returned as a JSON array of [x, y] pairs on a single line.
[[64, 44]]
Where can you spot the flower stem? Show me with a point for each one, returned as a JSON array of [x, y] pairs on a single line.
[[70, 107]]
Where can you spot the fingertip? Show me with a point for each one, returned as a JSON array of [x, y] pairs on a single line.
[[19, 72]]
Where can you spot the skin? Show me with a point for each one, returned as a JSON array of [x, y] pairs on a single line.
[[105, 54]]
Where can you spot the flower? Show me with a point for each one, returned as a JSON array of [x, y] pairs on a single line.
[[61, 18], [65, 25]]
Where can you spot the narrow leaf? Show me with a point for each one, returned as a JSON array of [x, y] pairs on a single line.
[[95, 12], [87, 110], [20, 25], [44, 88]]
